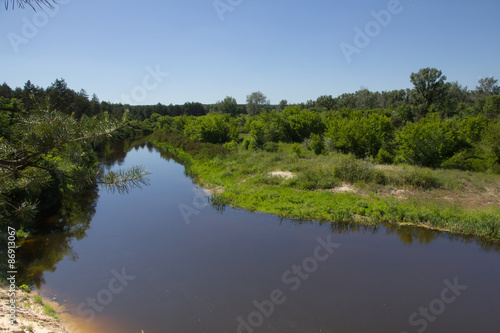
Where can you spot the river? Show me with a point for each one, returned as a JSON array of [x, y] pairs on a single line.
[[161, 259]]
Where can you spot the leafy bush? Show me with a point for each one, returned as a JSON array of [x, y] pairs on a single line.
[[311, 179], [351, 170], [233, 145], [430, 141], [296, 149], [492, 107], [361, 135], [271, 147], [317, 145], [384, 157], [379, 177], [465, 161], [420, 178], [212, 128]]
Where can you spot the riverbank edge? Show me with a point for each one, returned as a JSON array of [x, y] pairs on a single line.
[[30, 315], [338, 207]]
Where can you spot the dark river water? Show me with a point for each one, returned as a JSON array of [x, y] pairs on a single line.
[[161, 259]]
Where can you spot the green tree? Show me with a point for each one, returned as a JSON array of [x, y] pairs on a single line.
[[430, 87], [430, 141], [283, 104], [488, 86], [227, 106], [492, 107], [212, 128], [46, 146], [327, 102], [256, 102], [317, 145]]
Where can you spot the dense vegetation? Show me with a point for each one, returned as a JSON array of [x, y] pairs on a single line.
[[417, 133]]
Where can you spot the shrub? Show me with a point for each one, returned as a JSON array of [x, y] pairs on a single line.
[[379, 177], [271, 147], [361, 135], [296, 149], [233, 145], [420, 178], [430, 142], [492, 107], [317, 145], [314, 179], [351, 170], [212, 128], [384, 157], [465, 161]]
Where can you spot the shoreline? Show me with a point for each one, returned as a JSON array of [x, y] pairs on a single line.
[[444, 210], [31, 317]]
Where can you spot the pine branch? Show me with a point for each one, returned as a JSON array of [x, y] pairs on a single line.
[[123, 181], [22, 3]]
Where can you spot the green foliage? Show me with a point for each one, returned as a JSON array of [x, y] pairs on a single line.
[[430, 141], [384, 157], [25, 288], [227, 106], [314, 178], [300, 124], [352, 170], [212, 128], [47, 309], [317, 145], [430, 87], [492, 107], [233, 145], [420, 178], [361, 135], [45, 151], [271, 147], [491, 142], [297, 150], [256, 102]]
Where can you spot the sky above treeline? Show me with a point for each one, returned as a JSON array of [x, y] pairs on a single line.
[[149, 52]]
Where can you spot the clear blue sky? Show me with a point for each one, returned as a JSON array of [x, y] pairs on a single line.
[[288, 49]]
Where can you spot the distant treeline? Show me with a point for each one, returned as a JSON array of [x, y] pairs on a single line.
[[431, 93]]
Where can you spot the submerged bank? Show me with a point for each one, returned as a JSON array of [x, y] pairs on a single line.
[[336, 188]]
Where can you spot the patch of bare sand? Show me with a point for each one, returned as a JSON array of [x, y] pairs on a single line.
[[30, 316], [282, 174], [344, 188]]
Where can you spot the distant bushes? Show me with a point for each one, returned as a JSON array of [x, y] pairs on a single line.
[[380, 135], [212, 128], [195, 149], [430, 141], [361, 135]]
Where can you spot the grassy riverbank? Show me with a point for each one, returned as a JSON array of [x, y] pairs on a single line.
[[293, 182]]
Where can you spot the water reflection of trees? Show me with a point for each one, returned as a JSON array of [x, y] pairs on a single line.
[[407, 234], [54, 234], [69, 220]]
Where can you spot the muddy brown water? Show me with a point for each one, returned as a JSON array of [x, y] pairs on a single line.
[[161, 259]]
